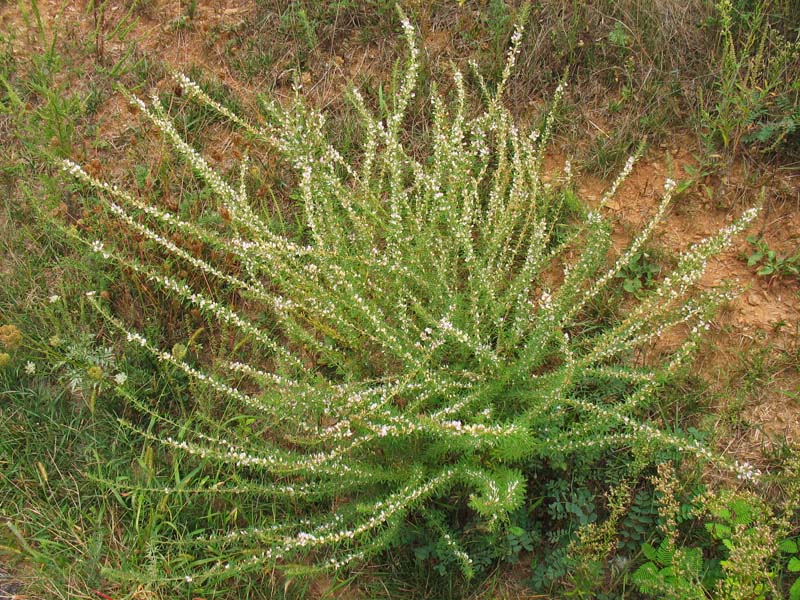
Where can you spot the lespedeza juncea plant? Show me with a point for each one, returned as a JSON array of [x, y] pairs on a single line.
[[426, 339]]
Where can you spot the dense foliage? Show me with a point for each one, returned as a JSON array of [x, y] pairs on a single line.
[[421, 346]]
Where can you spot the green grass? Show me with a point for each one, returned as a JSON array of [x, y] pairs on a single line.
[[69, 525]]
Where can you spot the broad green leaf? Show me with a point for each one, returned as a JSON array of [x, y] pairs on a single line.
[[794, 591]]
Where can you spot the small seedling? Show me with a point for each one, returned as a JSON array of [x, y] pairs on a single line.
[[770, 263], [640, 273]]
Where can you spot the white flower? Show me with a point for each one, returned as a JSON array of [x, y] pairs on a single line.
[[54, 298], [97, 246], [120, 378], [30, 368]]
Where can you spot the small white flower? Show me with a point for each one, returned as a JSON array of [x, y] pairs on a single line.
[[30, 368], [54, 298], [188, 579], [629, 164], [120, 378], [97, 246]]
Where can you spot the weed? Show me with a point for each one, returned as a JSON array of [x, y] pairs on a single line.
[[755, 100], [770, 264], [639, 523], [671, 572], [296, 23], [733, 561], [639, 274], [408, 315]]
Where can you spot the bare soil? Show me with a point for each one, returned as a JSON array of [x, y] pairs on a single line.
[[766, 312]]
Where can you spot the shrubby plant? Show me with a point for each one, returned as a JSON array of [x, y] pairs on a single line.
[[734, 553], [425, 338]]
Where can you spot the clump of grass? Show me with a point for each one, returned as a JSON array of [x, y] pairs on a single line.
[[635, 69]]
